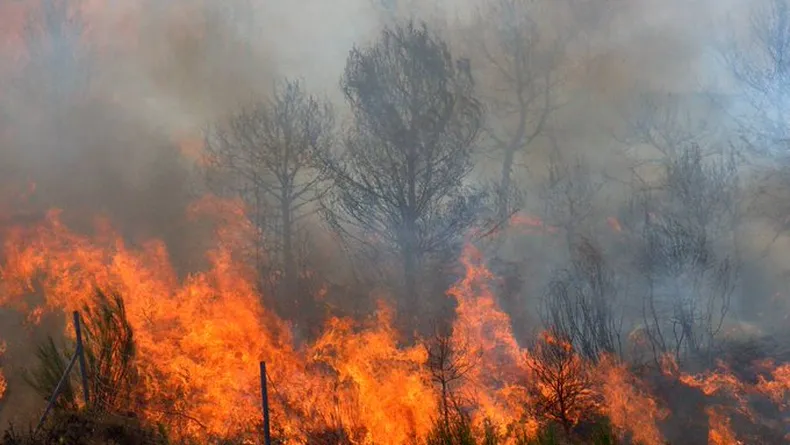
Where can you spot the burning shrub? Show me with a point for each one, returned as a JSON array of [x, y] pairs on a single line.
[[88, 429], [52, 364], [109, 353], [3, 384], [563, 385]]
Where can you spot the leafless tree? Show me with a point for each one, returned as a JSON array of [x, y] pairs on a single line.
[[448, 363], [268, 156], [689, 254], [760, 63], [562, 381], [568, 196], [400, 183], [582, 304], [525, 63]]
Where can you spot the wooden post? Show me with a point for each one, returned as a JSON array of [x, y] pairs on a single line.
[[81, 355], [267, 440]]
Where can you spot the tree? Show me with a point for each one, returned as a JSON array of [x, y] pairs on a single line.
[[760, 64], [689, 254], [267, 156], [581, 301], [569, 196], [526, 70], [562, 381], [400, 181], [448, 363]]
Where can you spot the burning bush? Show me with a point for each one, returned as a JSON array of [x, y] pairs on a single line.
[[3, 384], [88, 429], [562, 382]]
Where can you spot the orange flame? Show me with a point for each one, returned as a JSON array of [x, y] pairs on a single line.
[[200, 338], [3, 383]]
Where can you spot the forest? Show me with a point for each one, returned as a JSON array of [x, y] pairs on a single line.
[[515, 222]]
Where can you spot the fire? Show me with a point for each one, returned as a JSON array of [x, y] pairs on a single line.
[[614, 224], [3, 383], [719, 431], [629, 407], [531, 223], [484, 333], [200, 338]]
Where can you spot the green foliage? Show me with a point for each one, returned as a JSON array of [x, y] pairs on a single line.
[[546, 436], [456, 432], [52, 363], [108, 343], [84, 428], [109, 352], [603, 434]]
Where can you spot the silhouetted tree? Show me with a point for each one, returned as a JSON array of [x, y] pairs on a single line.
[[563, 385], [582, 303], [760, 63], [448, 364], [689, 255], [267, 155], [400, 182], [525, 64]]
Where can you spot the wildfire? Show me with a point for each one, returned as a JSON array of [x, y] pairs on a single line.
[[3, 383], [199, 339]]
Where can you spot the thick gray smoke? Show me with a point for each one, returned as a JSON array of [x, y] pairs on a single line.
[[103, 102]]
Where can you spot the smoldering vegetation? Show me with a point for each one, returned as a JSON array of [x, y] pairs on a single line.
[[569, 208]]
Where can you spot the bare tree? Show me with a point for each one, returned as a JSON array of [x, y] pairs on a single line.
[[267, 155], [400, 182], [562, 382], [526, 70], [760, 63], [689, 254], [568, 196], [448, 363], [582, 303]]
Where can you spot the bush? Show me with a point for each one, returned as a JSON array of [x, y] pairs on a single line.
[[83, 428]]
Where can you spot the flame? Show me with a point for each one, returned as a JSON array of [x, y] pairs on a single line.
[[483, 331], [200, 338], [628, 405], [719, 430], [614, 224], [3, 383], [531, 223]]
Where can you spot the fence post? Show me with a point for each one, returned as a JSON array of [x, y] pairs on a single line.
[[81, 355], [267, 440], [56, 392]]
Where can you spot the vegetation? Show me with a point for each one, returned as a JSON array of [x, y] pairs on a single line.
[[474, 134]]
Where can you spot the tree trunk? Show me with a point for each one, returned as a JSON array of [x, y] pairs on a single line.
[[290, 279], [503, 198], [410, 298]]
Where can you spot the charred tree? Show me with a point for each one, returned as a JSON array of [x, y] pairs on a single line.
[[689, 255], [267, 155], [525, 71], [400, 181], [581, 303], [562, 383]]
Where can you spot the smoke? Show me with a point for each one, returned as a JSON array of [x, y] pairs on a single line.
[[98, 113]]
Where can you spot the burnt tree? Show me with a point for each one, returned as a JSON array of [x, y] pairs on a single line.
[[400, 180], [268, 156], [524, 63]]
